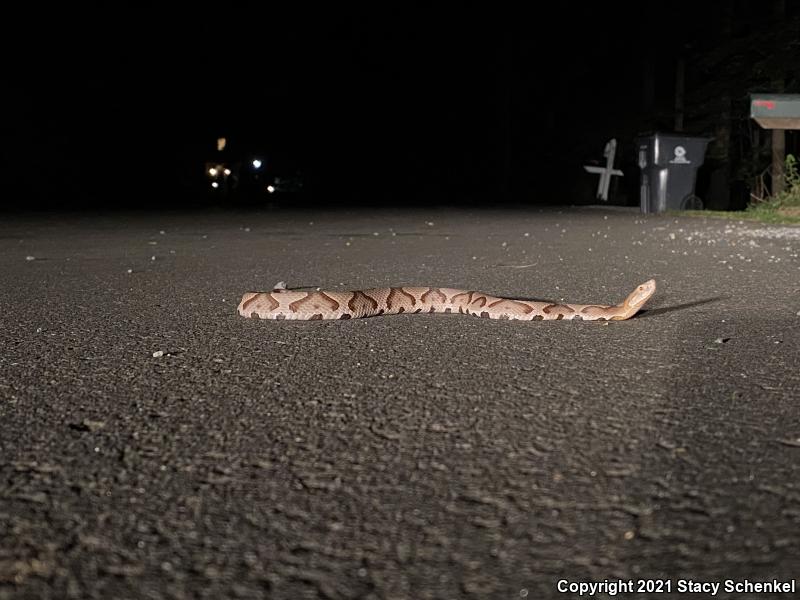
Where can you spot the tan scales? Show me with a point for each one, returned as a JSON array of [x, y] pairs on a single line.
[[307, 306]]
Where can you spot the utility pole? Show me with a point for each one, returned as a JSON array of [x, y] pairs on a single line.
[[778, 135], [648, 86], [720, 148], [680, 92], [778, 160]]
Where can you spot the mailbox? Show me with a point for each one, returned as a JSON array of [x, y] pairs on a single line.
[[776, 111]]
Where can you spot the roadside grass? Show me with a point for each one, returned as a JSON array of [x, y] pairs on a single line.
[[758, 213], [783, 208]]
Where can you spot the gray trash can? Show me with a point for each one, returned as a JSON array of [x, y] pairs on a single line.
[[669, 166]]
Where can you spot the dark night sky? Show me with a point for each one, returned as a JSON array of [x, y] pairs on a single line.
[[452, 103]]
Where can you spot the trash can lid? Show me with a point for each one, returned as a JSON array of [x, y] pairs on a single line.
[[673, 137]]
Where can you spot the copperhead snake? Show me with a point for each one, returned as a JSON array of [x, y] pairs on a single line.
[[309, 306]]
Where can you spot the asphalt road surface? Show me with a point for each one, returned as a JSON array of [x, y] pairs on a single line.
[[411, 456]]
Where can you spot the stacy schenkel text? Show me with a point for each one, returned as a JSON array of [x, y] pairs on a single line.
[[613, 587]]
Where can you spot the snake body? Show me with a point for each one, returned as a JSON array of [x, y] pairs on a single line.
[[315, 305]]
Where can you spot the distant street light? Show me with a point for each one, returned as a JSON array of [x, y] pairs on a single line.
[[256, 163]]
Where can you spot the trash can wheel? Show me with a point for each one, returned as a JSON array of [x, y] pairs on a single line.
[[692, 202]]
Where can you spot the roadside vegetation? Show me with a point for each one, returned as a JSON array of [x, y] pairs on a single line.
[[781, 208]]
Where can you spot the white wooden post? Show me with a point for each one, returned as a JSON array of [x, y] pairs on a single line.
[[607, 171]]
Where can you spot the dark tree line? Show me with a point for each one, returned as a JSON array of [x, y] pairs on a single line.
[[734, 49]]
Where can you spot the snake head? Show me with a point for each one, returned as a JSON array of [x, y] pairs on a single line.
[[641, 294]]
